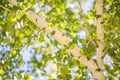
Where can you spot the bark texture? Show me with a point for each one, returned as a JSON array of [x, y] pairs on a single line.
[[100, 32]]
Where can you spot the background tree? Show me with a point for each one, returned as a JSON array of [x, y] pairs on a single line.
[[31, 48]]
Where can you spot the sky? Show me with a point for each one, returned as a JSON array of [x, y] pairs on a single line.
[[28, 52], [86, 5]]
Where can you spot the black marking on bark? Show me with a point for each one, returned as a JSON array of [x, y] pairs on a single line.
[[53, 32], [102, 22], [86, 66], [98, 15], [98, 69], [36, 20], [79, 57], [43, 28], [97, 46], [103, 50], [103, 56], [88, 58], [96, 62], [62, 34]]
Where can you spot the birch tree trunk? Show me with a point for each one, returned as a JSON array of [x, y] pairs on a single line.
[[100, 32]]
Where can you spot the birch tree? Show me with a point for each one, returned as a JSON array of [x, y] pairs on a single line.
[[58, 40]]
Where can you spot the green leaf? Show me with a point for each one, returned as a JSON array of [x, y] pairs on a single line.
[[1, 72]]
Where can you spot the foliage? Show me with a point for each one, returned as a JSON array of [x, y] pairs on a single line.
[[18, 34]]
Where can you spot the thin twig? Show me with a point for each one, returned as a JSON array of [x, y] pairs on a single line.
[[91, 40], [80, 7], [5, 8]]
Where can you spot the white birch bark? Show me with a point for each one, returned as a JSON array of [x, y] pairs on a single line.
[[100, 32]]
